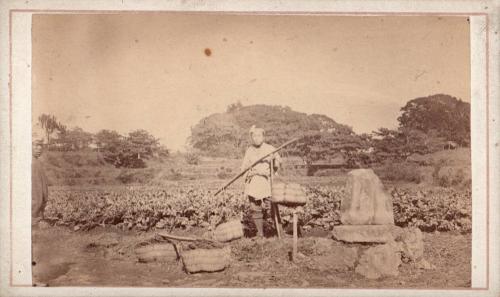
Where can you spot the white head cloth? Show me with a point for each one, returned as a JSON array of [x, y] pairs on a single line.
[[254, 129]]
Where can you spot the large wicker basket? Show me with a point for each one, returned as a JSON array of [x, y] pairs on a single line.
[[160, 252], [289, 194], [228, 231], [208, 260]]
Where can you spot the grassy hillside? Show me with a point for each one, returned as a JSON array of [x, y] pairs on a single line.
[[89, 168], [449, 168], [78, 168]]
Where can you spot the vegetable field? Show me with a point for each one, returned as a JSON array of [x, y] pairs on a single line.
[[189, 206]]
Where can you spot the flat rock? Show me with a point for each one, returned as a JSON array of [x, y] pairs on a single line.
[[366, 233], [367, 202], [379, 261]]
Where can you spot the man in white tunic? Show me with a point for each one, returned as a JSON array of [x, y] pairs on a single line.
[[257, 179]]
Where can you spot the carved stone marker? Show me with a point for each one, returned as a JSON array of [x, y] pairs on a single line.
[[367, 203], [367, 217]]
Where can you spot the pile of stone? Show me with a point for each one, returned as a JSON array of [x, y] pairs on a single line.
[[368, 221]]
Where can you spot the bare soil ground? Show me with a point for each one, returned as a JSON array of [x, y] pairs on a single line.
[[106, 257]]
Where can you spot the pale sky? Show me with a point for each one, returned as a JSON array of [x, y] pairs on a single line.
[[150, 71]]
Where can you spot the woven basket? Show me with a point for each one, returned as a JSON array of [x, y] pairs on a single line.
[[208, 260], [156, 253], [289, 194], [228, 231]]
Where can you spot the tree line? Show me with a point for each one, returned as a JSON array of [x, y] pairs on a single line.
[[130, 150], [425, 125]]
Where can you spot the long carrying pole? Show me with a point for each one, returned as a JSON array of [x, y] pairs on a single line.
[[253, 164]]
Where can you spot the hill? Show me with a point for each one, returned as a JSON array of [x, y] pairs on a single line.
[[78, 168], [226, 134]]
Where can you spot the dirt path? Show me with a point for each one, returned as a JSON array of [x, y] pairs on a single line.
[[105, 257]]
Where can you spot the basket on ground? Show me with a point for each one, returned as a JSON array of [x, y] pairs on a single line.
[[228, 231], [160, 252], [208, 260], [290, 194]]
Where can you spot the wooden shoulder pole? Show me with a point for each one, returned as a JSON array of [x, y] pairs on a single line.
[[254, 163]]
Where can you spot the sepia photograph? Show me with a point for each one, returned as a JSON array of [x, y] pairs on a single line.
[[192, 150], [244, 149]]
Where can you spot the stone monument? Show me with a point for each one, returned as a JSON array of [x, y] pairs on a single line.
[[366, 212], [367, 217]]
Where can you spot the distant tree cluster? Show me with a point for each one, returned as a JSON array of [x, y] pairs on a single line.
[[426, 124], [131, 150], [227, 134]]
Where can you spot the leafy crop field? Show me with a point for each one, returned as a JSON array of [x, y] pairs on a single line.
[[193, 206]]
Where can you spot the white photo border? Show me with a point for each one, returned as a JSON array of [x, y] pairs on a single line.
[[15, 140]]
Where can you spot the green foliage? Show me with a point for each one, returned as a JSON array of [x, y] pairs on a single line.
[[72, 140], [192, 158], [226, 134], [130, 151], [447, 115], [136, 176], [323, 145], [425, 125], [144, 208], [108, 141], [402, 171], [50, 124], [448, 178], [433, 210]]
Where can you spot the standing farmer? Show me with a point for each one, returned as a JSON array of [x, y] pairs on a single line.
[[257, 179], [39, 186]]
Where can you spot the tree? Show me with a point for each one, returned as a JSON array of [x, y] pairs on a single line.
[[444, 115], [138, 146], [218, 135], [74, 139], [142, 144], [50, 124], [425, 124], [131, 150], [323, 146], [108, 141], [226, 134], [234, 106]]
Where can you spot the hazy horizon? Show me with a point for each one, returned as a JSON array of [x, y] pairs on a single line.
[[152, 71]]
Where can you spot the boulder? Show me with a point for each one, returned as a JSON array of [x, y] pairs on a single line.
[[338, 258], [366, 233], [379, 261], [322, 246], [367, 203], [412, 244]]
